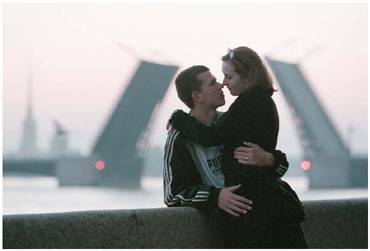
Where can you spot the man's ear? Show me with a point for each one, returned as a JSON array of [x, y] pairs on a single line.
[[195, 96]]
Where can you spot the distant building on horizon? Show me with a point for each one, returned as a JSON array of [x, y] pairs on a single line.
[[59, 142], [28, 146]]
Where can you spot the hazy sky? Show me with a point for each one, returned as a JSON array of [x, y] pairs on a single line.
[[79, 67]]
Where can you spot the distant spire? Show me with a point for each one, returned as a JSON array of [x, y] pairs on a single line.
[[30, 89], [28, 147]]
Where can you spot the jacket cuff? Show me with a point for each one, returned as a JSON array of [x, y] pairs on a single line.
[[278, 159]]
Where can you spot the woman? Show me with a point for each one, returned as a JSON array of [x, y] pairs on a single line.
[[274, 221]]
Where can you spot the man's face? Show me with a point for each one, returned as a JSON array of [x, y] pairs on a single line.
[[211, 94]]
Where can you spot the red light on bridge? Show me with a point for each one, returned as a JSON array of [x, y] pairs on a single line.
[[306, 165], [100, 165]]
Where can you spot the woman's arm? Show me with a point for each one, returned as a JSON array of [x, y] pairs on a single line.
[[194, 131], [228, 126]]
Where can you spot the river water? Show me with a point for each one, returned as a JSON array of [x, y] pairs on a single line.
[[24, 195]]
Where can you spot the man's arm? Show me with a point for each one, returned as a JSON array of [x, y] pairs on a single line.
[[252, 154], [182, 183]]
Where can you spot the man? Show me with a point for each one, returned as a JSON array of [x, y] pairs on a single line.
[[192, 173]]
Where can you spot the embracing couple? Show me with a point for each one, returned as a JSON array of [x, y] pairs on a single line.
[[228, 160]]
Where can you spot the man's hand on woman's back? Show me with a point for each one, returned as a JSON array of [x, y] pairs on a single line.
[[232, 203]]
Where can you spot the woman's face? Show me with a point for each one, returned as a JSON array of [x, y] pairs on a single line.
[[232, 80]]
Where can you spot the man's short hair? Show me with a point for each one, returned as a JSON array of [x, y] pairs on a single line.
[[187, 82]]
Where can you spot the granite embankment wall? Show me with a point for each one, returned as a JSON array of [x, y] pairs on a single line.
[[330, 224]]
